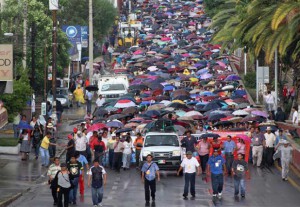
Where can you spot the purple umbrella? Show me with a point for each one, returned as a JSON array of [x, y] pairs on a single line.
[[206, 76], [232, 78], [259, 113], [202, 71]]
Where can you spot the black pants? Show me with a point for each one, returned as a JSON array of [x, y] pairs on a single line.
[[203, 160], [150, 185], [54, 192], [137, 157], [118, 160], [189, 180], [229, 161], [269, 156], [111, 158], [63, 192]]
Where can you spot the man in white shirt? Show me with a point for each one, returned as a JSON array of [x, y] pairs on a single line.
[[96, 77], [190, 165], [88, 97], [270, 100], [270, 139], [285, 150], [100, 101], [295, 116], [80, 143]]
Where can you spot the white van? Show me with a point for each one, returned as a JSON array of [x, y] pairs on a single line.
[[113, 86], [165, 148]]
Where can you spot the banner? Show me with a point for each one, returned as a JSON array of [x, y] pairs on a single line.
[[74, 35], [84, 36], [53, 5], [6, 62]]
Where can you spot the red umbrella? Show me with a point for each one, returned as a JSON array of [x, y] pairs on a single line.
[[96, 127], [207, 53]]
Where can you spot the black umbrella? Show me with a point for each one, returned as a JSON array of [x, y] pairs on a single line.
[[182, 97], [100, 112], [138, 87], [92, 88], [177, 105], [223, 123], [209, 135], [123, 130], [77, 122], [216, 117]]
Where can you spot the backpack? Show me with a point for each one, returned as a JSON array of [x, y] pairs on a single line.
[[97, 179]]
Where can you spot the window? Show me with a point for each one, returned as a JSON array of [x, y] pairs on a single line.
[[113, 87], [161, 140]]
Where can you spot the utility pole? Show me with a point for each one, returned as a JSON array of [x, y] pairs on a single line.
[[276, 77], [45, 72], [54, 6], [33, 33], [245, 59], [24, 61], [91, 40]]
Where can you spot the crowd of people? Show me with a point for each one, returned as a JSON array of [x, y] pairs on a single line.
[[175, 75]]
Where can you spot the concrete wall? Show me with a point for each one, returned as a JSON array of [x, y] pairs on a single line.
[[10, 150]]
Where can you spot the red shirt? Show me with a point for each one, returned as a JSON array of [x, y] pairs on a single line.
[[96, 142]]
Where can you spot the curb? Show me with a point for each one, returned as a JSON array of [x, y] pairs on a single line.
[[18, 195], [13, 198]]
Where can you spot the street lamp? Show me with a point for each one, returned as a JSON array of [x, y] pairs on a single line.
[[79, 48]]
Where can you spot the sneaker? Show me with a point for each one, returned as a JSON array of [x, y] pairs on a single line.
[[214, 195], [220, 195], [243, 196], [285, 179], [193, 197], [147, 203], [100, 204], [95, 205]]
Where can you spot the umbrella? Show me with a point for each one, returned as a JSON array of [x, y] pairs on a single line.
[[169, 88], [96, 127], [182, 98], [180, 113], [123, 130], [180, 129], [259, 113], [130, 110], [124, 103], [209, 135], [115, 124], [177, 105], [138, 87], [216, 117], [240, 113], [223, 123], [92, 88], [243, 137], [232, 78], [156, 106], [185, 118], [132, 124], [193, 113], [206, 76], [24, 125], [116, 116], [228, 87], [152, 113]]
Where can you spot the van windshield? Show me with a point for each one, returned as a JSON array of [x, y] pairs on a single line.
[[113, 87], [161, 140]]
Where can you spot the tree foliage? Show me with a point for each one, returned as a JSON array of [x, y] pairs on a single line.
[[17, 101]]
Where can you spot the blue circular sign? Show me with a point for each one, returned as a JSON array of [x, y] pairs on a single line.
[[71, 31]]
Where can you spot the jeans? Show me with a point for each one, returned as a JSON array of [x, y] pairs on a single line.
[[89, 106], [63, 192], [45, 156], [239, 182], [58, 114], [137, 157], [150, 185], [88, 153], [189, 178], [229, 161], [126, 160], [203, 160], [97, 195], [37, 149], [16, 131], [73, 191], [117, 160], [52, 151], [111, 157], [217, 183]]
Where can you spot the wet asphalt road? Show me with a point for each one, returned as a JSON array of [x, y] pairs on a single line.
[[265, 188]]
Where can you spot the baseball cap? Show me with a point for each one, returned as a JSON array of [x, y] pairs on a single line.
[[189, 153], [269, 128]]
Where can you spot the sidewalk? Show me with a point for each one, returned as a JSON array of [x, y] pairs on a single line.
[[17, 177]]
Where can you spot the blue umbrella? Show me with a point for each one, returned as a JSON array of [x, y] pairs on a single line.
[[115, 124], [207, 93], [24, 125], [232, 78], [202, 71], [169, 88]]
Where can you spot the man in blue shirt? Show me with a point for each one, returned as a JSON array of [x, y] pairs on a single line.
[[229, 147], [149, 172], [216, 165], [82, 159]]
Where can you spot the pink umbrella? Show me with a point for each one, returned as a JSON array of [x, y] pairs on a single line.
[[244, 137], [124, 103], [165, 39], [138, 52], [222, 64], [186, 55], [259, 113]]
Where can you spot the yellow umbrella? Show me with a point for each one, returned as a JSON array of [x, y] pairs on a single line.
[[194, 79], [177, 101]]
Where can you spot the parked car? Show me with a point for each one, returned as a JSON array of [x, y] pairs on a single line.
[[64, 95]]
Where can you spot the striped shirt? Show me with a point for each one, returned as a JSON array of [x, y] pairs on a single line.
[[53, 169]]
